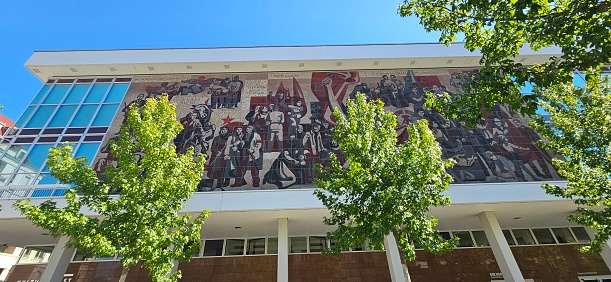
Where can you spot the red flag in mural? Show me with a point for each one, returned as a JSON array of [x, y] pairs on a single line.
[[331, 88]]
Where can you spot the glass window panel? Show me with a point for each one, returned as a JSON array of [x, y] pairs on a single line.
[[272, 245], [508, 237], [4, 178], [97, 93], [37, 156], [105, 258], [41, 193], [47, 179], [63, 115], [59, 192], [581, 234], [298, 245], [105, 115], [213, 248], [234, 247], [41, 116], [36, 254], [41, 94], [528, 88], [57, 93], [445, 235], [563, 235], [76, 94], [32, 131], [523, 237], [256, 246], [465, 238], [578, 80], [116, 93], [544, 236], [317, 243], [23, 179], [88, 150], [480, 238], [21, 121], [82, 257], [84, 115], [12, 158]]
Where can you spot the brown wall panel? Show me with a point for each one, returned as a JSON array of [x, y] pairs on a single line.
[[359, 266]]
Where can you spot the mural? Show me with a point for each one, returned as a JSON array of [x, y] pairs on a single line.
[[267, 130]]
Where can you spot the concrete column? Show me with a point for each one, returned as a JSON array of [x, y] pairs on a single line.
[[58, 262], [606, 252], [394, 260], [500, 247], [283, 250]]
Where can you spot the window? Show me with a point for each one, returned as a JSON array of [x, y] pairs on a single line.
[[255, 246], [480, 239], [544, 236], [36, 254], [272, 245], [523, 237], [563, 235], [298, 245], [317, 244], [234, 247], [464, 238], [213, 248], [581, 234]]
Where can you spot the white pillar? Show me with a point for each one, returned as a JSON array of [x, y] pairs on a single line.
[[500, 247], [606, 251], [394, 260], [283, 250], [58, 262]]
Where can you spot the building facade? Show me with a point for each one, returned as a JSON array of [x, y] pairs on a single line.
[[262, 115]]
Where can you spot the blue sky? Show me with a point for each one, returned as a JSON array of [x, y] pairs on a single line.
[[32, 25]]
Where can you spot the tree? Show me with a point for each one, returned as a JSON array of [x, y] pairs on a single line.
[[579, 129], [142, 223], [499, 29], [383, 188]]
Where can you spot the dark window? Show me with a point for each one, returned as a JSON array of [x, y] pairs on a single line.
[[47, 139], [123, 79], [84, 80], [104, 80], [94, 138], [71, 138], [53, 131], [544, 236], [97, 130], [32, 131], [65, 80], [213, 248], [75, 130], [25, 140]]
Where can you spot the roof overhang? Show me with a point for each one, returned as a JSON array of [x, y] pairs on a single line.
[[46, 64]]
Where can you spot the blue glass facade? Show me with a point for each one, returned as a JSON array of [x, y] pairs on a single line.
[[78, 111]]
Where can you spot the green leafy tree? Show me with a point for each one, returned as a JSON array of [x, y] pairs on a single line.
[[580, 129], [142, 223], [384, 188], [499, 29]]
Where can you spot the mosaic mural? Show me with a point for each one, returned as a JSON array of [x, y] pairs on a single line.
[[267, 130]]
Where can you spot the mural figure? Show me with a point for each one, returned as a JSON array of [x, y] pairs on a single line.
[[253, 159], [218, 160], [275, 121], [197, 131]]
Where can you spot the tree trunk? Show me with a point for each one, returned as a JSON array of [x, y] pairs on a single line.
[[123, 277], [403, 262]]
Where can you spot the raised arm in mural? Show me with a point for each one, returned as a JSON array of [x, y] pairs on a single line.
[[330, 88]]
